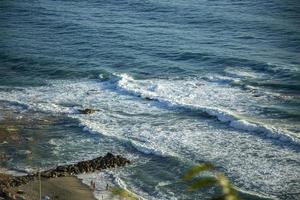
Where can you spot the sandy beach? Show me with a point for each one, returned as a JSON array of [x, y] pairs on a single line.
[[63, 188]]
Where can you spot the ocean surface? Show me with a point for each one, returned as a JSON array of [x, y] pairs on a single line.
[[176, 83]]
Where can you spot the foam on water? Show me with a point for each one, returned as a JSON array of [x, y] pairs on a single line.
[[148, 148], [221, 79], [242, 73], [162, 127], [243, 117], [226, 104], [145, 147], [202, 99]]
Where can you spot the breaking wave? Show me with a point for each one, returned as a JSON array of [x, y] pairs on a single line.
[[154, 91]]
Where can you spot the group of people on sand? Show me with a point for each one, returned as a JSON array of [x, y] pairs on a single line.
[[93, 185]]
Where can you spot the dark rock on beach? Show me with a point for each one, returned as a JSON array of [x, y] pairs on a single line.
[[99, 163]]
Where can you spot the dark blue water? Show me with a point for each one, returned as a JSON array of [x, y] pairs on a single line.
[[177, 83]]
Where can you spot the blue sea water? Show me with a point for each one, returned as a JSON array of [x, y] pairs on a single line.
[[177, 83]]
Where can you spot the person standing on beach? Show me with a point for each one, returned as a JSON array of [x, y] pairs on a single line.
[[93, 185]]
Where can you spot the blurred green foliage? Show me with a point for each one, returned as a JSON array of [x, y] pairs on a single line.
[[218, 179], [123, 194]]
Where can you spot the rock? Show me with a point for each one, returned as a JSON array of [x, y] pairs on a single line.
[[99, 163], [87, 111], [61, 169], [148, 98], [46, 174]]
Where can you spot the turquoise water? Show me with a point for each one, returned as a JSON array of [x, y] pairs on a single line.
[[176, 82]]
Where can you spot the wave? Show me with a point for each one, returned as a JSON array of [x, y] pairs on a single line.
[[142, 147], [121, 184], [244, 194], [148, 91], [147, 125], [55, 100], [152, 150], [214, 59], [147, 149], [222, 79], [168, 93]]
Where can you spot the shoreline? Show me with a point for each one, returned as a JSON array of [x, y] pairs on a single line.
[[60, 180], [62, 188]]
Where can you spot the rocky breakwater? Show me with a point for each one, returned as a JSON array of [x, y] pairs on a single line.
[[99, 163], [108, 161]]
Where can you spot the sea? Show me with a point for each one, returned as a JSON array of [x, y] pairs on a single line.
[[175, 83]]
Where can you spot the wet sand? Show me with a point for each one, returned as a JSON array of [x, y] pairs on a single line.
[[63, 188]]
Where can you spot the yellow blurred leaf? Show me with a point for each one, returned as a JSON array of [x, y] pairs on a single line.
[[123, 194], [197, 169], [202, 183]]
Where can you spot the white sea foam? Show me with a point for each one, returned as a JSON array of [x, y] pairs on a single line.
[[148, 149], [239, 72], [215, 101], [145, 147], [141, 88], [156, 127], [226, 104], [189, 94], [222, 79]]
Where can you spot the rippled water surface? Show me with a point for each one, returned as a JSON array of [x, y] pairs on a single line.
[[176, 83]]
